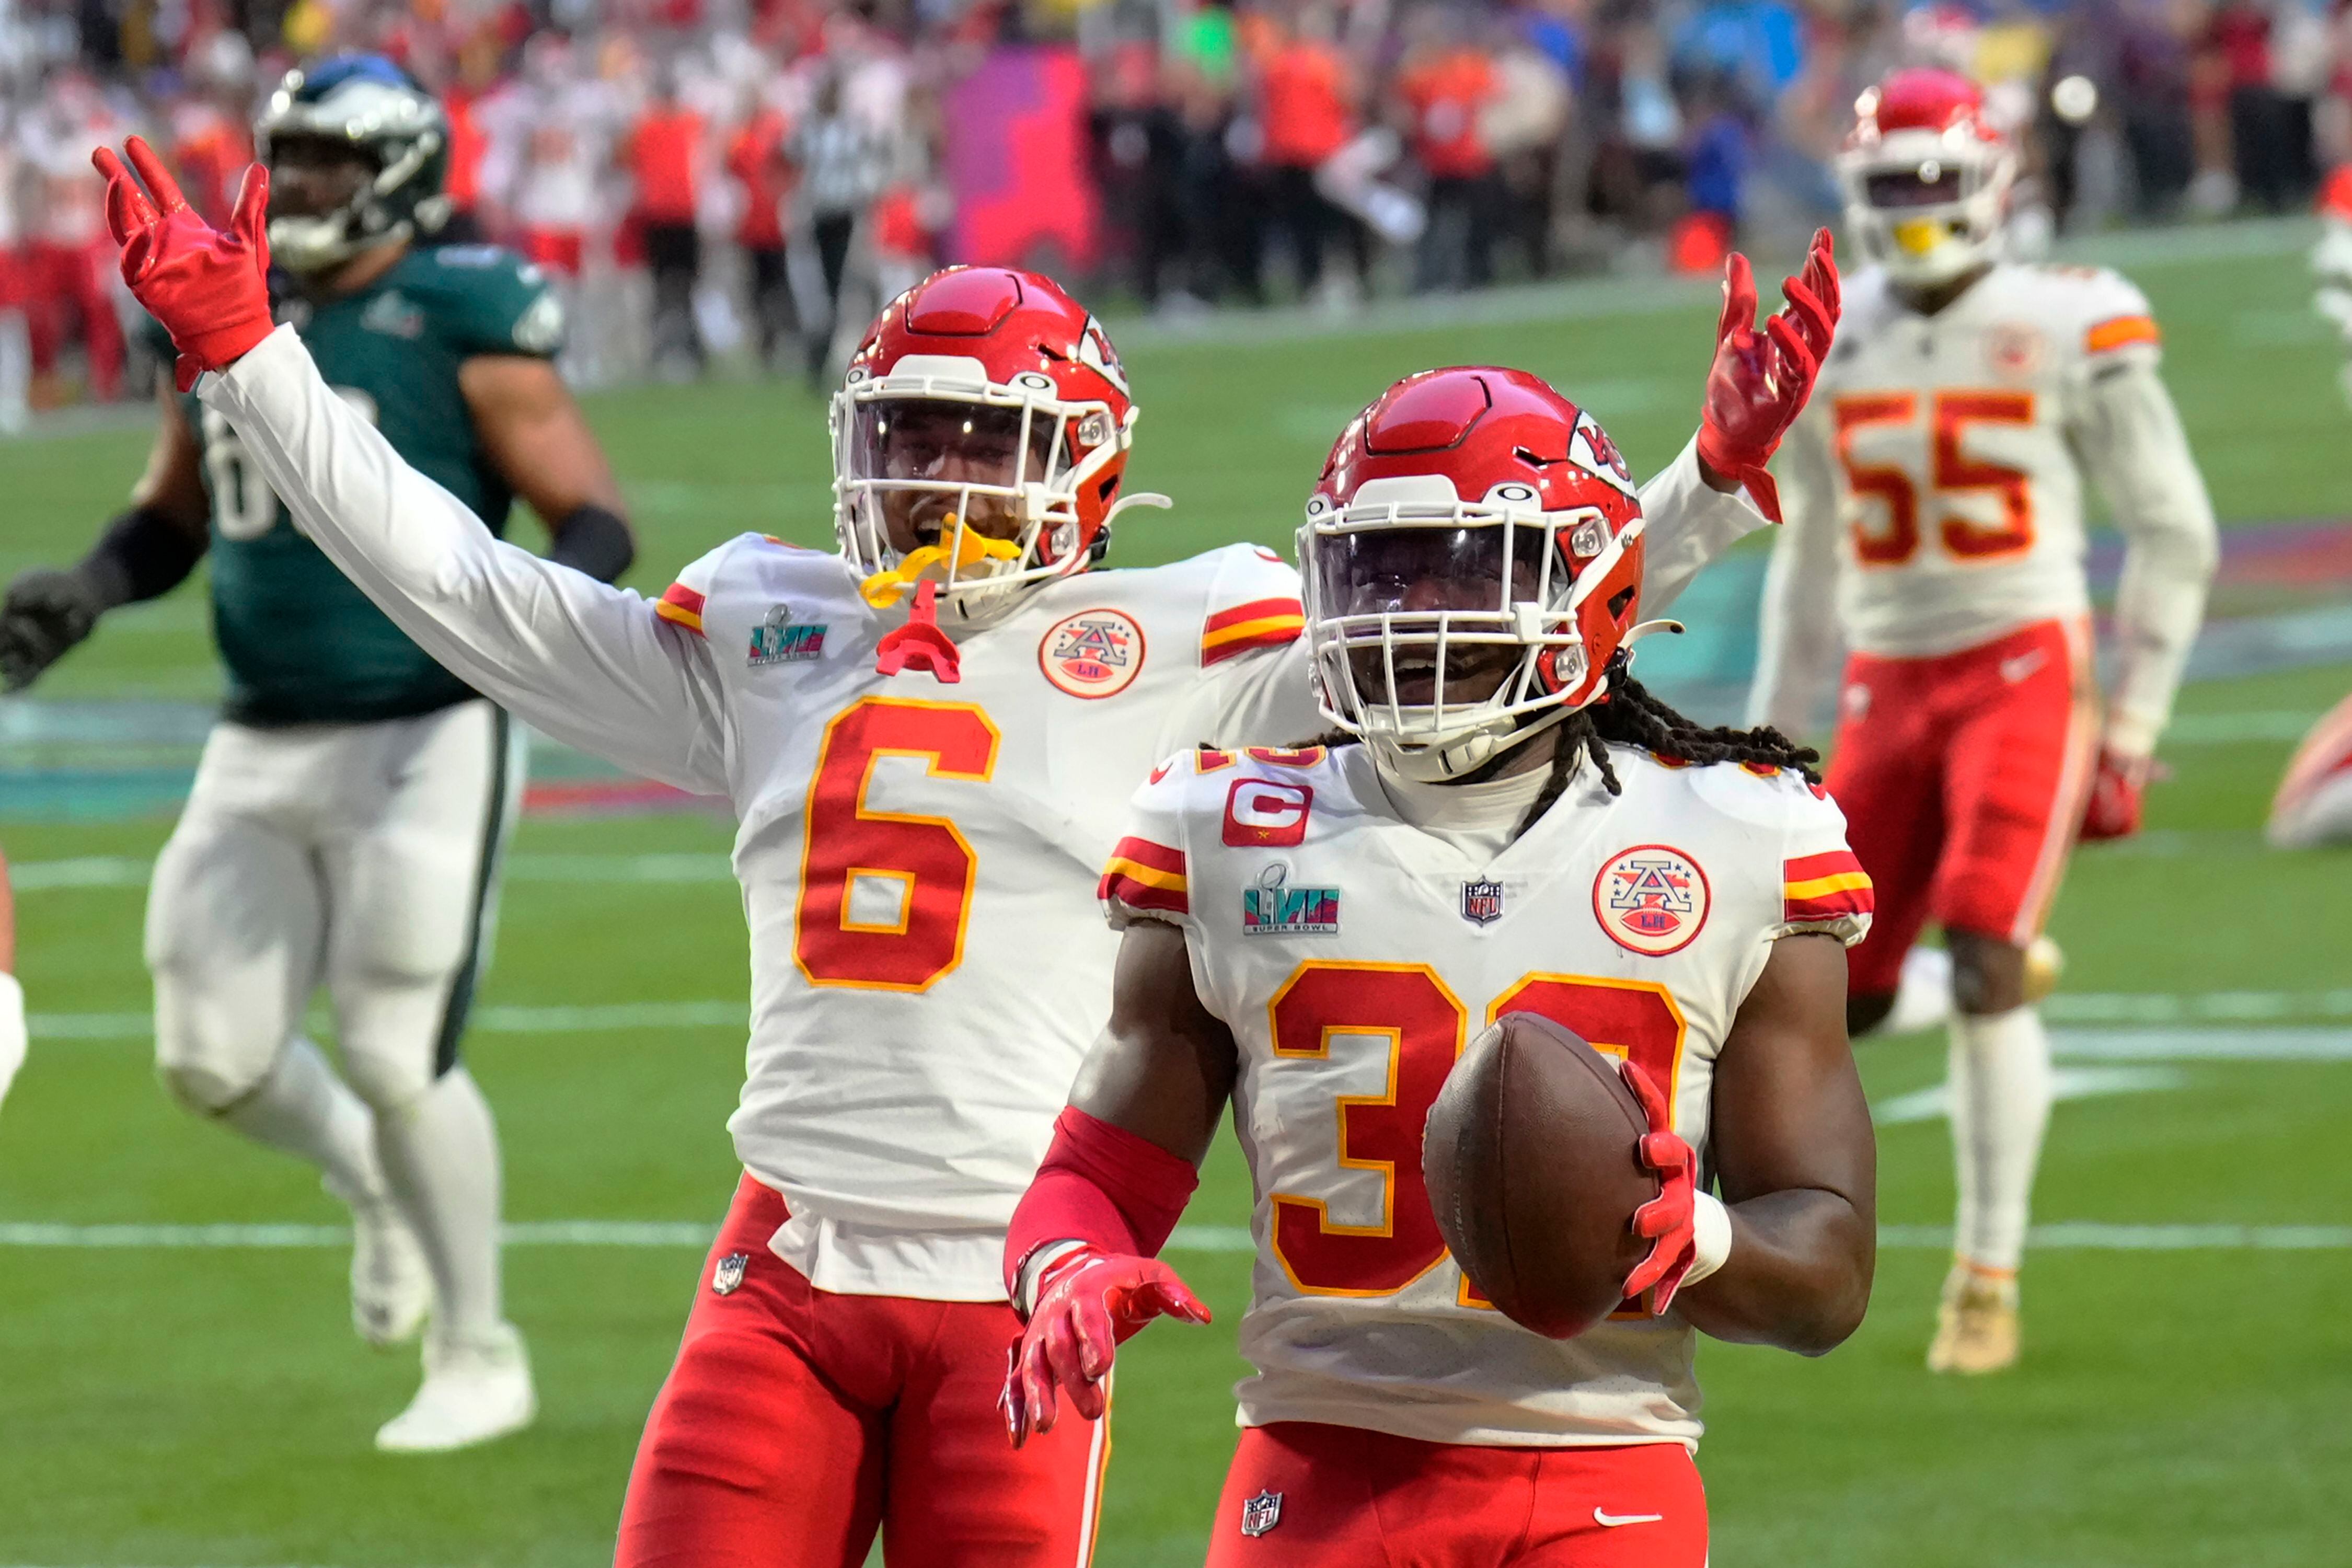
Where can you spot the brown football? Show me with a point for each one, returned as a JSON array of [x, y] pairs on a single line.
[[1532, 1157]]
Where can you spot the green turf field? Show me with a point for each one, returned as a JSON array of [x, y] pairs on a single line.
[[2182, 1398]]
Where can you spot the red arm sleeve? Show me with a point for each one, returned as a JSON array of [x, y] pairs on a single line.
[[1103, 1185]]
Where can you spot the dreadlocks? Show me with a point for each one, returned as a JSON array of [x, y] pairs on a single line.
[[1632, 715]]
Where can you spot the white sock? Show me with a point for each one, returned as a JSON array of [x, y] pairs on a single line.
[[1923, 996], [305, 1110], [441, 1159], [1999, 1075]]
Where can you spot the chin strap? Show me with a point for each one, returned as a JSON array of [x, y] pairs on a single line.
[[885, 589], [920, 644]]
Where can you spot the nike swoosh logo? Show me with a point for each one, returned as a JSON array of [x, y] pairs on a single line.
[[1607, 1520], [2016, 669]]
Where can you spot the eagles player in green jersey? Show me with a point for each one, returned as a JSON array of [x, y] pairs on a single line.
[[352, 804]]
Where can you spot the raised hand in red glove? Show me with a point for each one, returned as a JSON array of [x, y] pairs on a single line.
[[1086, 1303], [2113, 810], [209, 288], [1669, 1219], [1760, 380]]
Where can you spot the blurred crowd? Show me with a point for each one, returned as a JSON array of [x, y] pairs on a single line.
[[749, 179]]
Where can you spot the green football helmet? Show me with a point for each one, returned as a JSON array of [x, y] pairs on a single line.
[[364, 118]]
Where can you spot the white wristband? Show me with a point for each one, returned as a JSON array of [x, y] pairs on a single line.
[[12, 1029], [1032, 1269], [1710, 1238]]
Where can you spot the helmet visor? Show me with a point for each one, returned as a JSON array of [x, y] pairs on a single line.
[[1930, 184], [927, 463], [1425, 613], [314, 175]]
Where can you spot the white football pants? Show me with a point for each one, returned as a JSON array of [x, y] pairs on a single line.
[[362, 857]]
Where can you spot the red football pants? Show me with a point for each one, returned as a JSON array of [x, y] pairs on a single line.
[[1962, 781], [1304, 1495], [69, 285], [797, 1422]]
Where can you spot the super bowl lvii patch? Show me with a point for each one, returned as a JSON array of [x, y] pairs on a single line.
[[780, 639]]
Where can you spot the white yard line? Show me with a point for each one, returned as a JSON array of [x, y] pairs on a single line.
[[1933, 1103], [2218, 1009], [132, 871], [687, 1234]]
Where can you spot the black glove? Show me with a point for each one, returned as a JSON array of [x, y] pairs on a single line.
[[45, 612]]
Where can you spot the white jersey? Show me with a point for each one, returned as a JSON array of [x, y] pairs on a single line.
[[1353, 955], [917, 856], [1937, 478]]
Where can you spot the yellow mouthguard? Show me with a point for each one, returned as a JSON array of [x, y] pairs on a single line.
[[885, 589], [1918, 237]]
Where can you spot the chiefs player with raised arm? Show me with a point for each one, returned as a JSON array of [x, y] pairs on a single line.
[[1937, 490], [926, 788], [1313, 934]]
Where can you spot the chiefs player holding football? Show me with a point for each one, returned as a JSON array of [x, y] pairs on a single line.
[[927, 739], [1938, 490], [1314, 933]]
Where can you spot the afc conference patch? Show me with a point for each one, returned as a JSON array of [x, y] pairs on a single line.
[[1271, 908], [1093, 654], [780, 639], [1652, 898], [728, 1278], [1260, 1513]]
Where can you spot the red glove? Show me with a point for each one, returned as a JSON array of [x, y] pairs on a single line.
[[210, 290], [1668, 1219], [1760, 380], [2113, 810], [1086, 1303]]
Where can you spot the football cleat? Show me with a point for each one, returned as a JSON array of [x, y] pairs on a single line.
[[1976, 1324], [2046, 961], [474, 1391], [391, 1288]]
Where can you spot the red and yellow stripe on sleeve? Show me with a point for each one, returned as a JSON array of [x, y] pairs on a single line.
[[1822, 887], [681, 605], [1146, 875], [2120, 331], [1261, 623]]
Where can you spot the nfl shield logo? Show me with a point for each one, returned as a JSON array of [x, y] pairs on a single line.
[[1482, 902], [1260, 1513], [729, 1275]]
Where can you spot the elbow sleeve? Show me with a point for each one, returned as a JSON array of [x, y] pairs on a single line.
[[590, 540], [143, 554]]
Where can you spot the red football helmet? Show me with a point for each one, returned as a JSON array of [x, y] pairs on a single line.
[[1474, 530], [979, 439], [1927, 176]]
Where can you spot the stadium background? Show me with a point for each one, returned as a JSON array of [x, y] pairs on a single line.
[[178, 1385]]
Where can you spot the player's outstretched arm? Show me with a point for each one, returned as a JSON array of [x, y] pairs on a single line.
[[1799, 646], [2131, 440], [1696, 507], [1080, 1257], [1796, 1161], [585, 662], [537, 438], [145, 552]]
